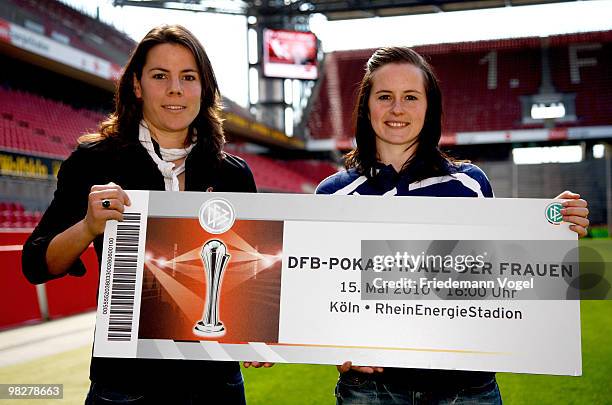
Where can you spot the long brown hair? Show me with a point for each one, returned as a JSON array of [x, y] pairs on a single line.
[[123, 122], [428, 159]]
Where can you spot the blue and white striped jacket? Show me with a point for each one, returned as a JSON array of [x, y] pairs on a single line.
[[466, 180]]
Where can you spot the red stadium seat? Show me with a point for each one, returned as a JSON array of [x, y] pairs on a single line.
[[53, 127], [314, 170], [463, 68], [273, 176]]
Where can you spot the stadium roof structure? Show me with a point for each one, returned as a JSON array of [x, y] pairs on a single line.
[[332, 9], [98, 63]]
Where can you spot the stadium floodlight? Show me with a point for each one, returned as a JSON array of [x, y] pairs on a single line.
[[252, 46], [553, 107], [548, 105], [305, 7], [548, 154], [253, 86], [542, 111], [289, 121]]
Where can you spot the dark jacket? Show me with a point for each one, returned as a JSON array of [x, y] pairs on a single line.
[[129, 166]]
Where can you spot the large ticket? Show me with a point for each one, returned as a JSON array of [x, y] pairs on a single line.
[[444, 283]]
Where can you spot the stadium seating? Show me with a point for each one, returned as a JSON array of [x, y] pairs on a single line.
[[14, 215], [471, 103], [313, 170], [30, 123], [274, 176]]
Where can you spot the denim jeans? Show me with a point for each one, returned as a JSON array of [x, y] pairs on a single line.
[[228, 392], [360, 389]]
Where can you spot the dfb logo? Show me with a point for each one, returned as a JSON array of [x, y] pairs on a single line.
[[216, 216], [553, 213]]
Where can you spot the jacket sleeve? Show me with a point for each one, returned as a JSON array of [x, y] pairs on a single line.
[[333, 183], [249, 180], [240, 177], [69, 206], [483, 180]]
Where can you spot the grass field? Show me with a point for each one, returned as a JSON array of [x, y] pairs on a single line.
[[308, 384]]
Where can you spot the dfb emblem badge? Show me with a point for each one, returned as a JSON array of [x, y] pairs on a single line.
[[216, 216], [553, 213]]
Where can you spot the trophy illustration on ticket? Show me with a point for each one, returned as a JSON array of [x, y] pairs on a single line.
[[216, 216], [215, 258]]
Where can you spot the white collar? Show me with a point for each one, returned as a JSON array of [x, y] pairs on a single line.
[[164, 164]]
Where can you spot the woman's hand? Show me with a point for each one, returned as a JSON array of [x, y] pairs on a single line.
[[106, 202], [66, 247], [575, 211], [257, 364], [347, 365]]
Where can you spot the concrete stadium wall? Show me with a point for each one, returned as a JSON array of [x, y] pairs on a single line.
[[32, 194]]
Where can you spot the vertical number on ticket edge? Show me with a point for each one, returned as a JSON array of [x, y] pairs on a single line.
[[121, 281]]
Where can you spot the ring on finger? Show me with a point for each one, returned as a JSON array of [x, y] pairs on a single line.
[[106, 203]]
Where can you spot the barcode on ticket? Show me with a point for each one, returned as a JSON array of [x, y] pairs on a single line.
[[125, 267], [120, 284]]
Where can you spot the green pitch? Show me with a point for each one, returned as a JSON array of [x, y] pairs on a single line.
[[307, 384]]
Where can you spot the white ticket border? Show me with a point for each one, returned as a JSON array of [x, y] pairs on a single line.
[[292, 208], [102, 346]]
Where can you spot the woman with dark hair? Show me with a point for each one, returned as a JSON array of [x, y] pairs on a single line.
[[165, 134], [398, 124]]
